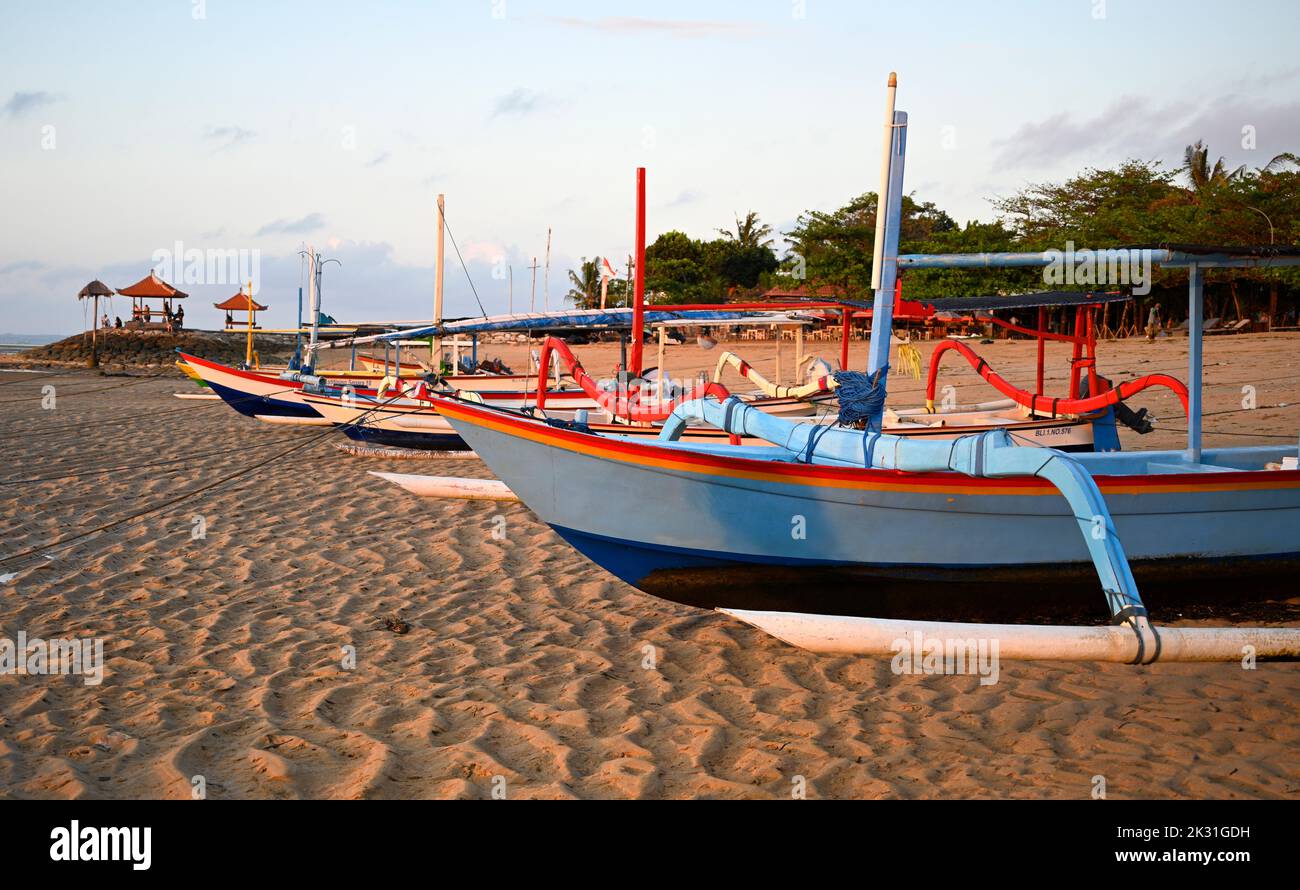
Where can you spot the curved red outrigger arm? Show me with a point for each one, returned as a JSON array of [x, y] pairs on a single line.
[[1046, 404], [624, 405]]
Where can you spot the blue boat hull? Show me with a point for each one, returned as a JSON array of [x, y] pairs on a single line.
[[420, 441], [700, 526], [251, 405], [997, 593]]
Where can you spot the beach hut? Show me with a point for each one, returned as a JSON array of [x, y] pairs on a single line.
[[151, 287], [241, 302], [94, 290]]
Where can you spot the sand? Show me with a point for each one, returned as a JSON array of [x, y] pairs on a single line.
[[524, 669]]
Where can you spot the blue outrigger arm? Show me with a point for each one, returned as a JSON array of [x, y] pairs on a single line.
[[990, 454]]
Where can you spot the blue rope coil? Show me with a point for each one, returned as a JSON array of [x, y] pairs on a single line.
[[861, 397]]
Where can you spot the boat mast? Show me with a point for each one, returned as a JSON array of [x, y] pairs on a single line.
[[313, 302], [248, 348], [638, 291], [546, 275], [889, 213], [437, 292]]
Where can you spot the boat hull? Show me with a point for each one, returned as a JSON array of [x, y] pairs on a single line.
[[694, 522], [249, 393]]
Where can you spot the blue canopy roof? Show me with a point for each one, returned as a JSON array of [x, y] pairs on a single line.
[[576, 318]]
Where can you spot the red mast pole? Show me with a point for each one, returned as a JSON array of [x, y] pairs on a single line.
[[1042, 326], [638, 302]]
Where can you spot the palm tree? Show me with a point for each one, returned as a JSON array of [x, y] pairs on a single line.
[[585, 290], [1203, 177], [1280, 161], [750, 232]]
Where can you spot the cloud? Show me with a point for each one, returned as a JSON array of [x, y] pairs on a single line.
[[20, 103], [309, 223], [1135, 127], [671, 27], [22, 266], [520, 101], [687, 196], [378, 159], [226, 138]]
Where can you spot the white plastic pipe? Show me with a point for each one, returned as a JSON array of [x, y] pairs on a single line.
[[843, 635], [450, 487], [292, 421]]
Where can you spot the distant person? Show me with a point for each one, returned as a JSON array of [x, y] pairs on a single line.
[[1153, 322], [229, 321], [148, 315], [117, 323], [180, 316], [103, 322]]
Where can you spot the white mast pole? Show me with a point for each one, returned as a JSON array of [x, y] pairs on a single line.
[[313, 301], [437, 290]]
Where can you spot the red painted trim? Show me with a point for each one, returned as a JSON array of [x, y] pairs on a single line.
[[936, 483]]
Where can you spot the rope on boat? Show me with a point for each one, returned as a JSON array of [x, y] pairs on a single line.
[[861, 396]]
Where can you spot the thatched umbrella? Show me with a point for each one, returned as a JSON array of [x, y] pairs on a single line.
[[95, 289]]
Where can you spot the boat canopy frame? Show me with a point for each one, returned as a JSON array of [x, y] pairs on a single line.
[[1194, 258]]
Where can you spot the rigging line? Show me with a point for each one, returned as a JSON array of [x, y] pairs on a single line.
[[65, 542], [144, 416], [148, 466], [82, 392], [30, 377], [81, 424], [465, 268]]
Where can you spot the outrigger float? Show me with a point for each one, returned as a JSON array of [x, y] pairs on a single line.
[[866, 504]]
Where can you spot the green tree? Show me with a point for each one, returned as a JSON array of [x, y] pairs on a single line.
[[1202, 177], [750, 232], [584, 285]]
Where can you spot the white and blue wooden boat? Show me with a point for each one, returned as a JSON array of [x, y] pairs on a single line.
[[686, 521]]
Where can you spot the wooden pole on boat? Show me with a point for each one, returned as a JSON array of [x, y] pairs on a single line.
[[884, 271], [313, 304], [546, 275], [437, 290], [1042, 323], [663, 344], [798, 351], [776, 377], [878, 250], [638, 290], [248, 346], [846, 324], [1195, 311]]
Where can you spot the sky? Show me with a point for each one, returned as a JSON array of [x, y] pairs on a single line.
[[129, 128]]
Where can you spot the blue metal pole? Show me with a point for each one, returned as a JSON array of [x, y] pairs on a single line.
[[1195, 312], [297, 337], [882, 317]]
